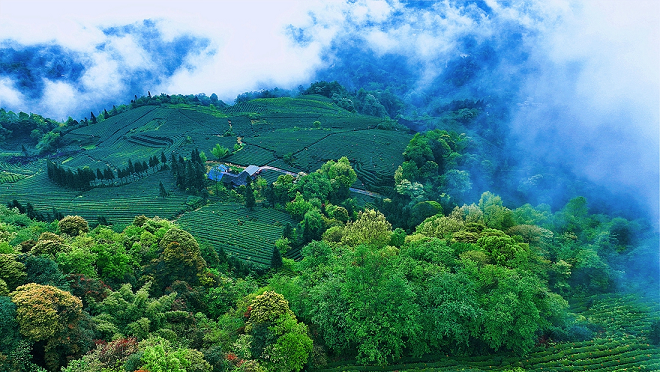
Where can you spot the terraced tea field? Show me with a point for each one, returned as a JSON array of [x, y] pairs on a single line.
[[246, 234], [375, 154], [623, 346], [282, 141], [118, 204], [10, 173], [269, 129]]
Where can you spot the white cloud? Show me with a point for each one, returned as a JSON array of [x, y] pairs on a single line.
[[598, 92], [58, 99], [9, 96], [130, 53]]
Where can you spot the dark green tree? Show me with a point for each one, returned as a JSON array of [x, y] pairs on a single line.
[[163, 192], [249, 195], [163, 158], [276, 259]]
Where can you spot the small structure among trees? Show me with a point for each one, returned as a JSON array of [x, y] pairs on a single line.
[[222, 173]]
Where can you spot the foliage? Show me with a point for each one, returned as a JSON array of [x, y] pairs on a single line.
[[654, 334], [181, 258], [278, 340], [219, 151], [73, 225], [478, 279], [43, 311], [126, 314], [370, 228], [12, 272], [43, 270], [48, 314], [106, 357], [10, 337], [366, 306], [159, 356]]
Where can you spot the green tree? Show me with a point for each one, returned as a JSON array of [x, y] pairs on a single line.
[[364, 304], [513, 304], [12, 273], [370, 228], [43, 270], [502, 249], [49, 142], [163, 193], [10, 337], [49, 244], [450, 313], [78, 260], [48, 314], [159, 355], [496, 215], [219, 151], [124, 313], [276, 259], [341, 176], [423, 210], [282, 343], [314, 185], [249, 195], [114, 262], [298, 207], [313, 225], [181, 256], [73, 225]]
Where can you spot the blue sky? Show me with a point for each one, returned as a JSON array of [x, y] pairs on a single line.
[[589, 82]]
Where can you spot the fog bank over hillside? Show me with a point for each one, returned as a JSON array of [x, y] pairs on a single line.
[[577, 82]]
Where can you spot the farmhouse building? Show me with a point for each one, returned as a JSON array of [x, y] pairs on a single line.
[[221, 173]]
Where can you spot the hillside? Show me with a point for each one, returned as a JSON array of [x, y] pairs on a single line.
[[389, 261], [268, 131]]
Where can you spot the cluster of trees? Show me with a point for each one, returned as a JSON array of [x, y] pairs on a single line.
[[25, 128], [479, 279], [149, 297], [33, 214], [319, 201], [200, 99], [80, 179], [381, 103], [136, 168], [264, 93], [190, 173], [434, 176], [83, 178]]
